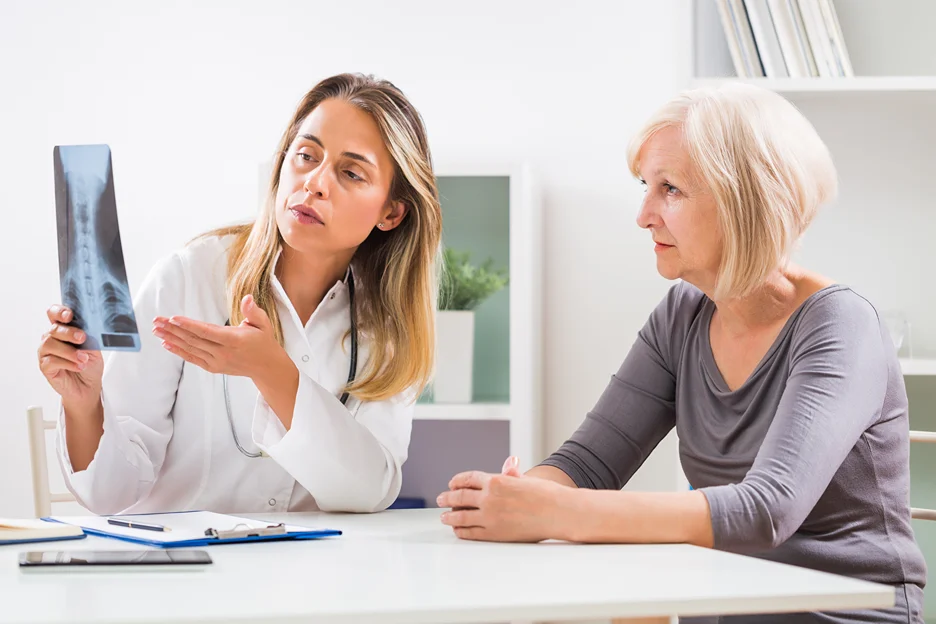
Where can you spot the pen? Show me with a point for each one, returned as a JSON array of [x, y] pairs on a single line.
[[136, 525]]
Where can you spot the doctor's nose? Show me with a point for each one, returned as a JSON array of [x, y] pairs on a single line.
[[318, 182]]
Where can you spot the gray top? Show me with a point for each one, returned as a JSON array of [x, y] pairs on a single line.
[[806, 463]]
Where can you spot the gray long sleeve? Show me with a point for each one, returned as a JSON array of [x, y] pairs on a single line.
[[832, 391], [606, 451], [806, 463]]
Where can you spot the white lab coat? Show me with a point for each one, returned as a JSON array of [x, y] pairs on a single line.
[[167, 443]]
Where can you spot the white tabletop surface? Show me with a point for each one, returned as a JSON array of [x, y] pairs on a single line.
[[404, 566]]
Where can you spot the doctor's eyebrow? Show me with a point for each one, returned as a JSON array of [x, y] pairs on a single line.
[[351, 155]]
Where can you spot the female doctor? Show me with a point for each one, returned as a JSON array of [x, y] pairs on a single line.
[[285, 355]]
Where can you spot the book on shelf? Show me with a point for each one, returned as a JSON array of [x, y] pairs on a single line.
[[791, 34], [818, 38], [766, 38], [784, 38], [741, 43], [836, 39]]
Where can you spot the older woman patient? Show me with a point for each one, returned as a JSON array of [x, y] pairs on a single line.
[[782, 384]]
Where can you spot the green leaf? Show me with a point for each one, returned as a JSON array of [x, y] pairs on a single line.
[[465, 285]]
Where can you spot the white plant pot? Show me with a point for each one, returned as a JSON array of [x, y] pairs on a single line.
[[454, 356]]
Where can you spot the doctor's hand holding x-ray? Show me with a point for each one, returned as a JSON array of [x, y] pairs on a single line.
[[74, 374]]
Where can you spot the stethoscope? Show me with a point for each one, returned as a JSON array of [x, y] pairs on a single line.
[[344, 397]]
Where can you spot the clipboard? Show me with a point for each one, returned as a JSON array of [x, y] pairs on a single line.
[[190, 529]]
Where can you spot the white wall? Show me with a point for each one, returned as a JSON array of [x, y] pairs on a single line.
[[878, 236], [191, 99]]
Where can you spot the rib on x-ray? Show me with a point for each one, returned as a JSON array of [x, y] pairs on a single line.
[[91, 264]]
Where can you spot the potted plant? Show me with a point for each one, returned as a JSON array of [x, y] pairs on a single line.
[[464, 286]]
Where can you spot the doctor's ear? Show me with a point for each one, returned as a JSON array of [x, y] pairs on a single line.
[[392, 216]]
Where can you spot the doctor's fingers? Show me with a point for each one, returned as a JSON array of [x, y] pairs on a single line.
[[181, 337], [178, 346], [189, 357], [50, 345], [51, 364], [65, 333], [59, 314]]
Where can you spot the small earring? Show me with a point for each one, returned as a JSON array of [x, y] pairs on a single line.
[[380, 225]]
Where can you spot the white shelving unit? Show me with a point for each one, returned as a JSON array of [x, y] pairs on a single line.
[[523, 411], [880, 127], [858, 84], [467, 411], [918, 367], [449, 437]]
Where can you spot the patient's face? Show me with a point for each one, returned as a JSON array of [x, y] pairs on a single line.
[[679, 211]]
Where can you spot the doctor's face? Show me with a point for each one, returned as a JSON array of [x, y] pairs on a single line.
[[335, 181]]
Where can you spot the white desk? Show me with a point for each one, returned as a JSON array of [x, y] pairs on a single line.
[[404, 566]]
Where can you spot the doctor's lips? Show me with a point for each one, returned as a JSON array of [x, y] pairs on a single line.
[[306, 214], [661, 246]]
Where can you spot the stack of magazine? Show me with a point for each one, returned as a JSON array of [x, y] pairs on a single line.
[[785, 38]]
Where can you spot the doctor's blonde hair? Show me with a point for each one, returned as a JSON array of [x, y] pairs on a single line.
[[395, 272], [765, 165]]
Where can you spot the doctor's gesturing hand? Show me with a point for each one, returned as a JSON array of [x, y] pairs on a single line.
[[249, 349], [243, 350]]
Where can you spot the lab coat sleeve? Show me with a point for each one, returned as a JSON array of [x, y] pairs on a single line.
[[347, 462], [139, 391]]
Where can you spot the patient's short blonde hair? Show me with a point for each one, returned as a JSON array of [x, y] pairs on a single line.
[[765, 165]]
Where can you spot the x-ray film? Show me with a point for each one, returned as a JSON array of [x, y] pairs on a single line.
[[91, 264]]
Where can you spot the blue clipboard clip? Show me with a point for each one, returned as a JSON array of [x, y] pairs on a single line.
[[237, 533]]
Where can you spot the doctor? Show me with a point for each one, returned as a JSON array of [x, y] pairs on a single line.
[[285, 355]]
